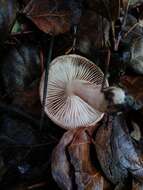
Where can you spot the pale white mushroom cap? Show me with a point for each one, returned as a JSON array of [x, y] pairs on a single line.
[[64, 107]]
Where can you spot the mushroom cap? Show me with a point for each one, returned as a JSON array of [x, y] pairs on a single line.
[[69, 111]]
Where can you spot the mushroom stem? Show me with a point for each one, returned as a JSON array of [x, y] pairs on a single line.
[[90, 93]]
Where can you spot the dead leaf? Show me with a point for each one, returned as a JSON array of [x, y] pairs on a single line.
[[109, 9], [20, 69], [134, 2], [116, 152], [124, 4], [71, 163], [86, 175], [53, 17], [8, 11], [137, 185], [133, 85], [60, 165], [93, 32], [106, 153]]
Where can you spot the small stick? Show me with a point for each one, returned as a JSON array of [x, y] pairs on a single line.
[[47, 62], [106, 70], [130, 30], [21, 33], [42, 184], [117, 42]]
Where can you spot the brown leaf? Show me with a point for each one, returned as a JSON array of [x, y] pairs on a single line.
[[124, 4], [109, 9], [137, 185], [60, 165], [53, 17], [71, 163], [29, 100], [86, 175], [94, 32], [134, 86], [7, 15]]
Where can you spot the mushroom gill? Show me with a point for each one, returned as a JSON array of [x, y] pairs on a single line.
[[74, 93]]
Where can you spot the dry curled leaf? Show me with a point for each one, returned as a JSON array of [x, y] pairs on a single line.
[[134, 2], [116, 152], [86, 175], [60, 165], [93, 32], [136, 53], [20, 68], [53, 17], [71, 163], [106, 153], [7, 15], [109, 9], [124, 4], [137, 185], [133, 85]]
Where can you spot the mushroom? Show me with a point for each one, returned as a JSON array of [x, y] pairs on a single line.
[[74, 98]]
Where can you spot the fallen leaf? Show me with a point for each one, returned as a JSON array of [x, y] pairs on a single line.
[[124, 4], [8, 11], [71, 163], [87, 177], [60, 165], [133, 85], [137, 185], [93, 32], [16, 132], [20, 69], [116, 152], [53, 17], [109, 9], [107, 155]]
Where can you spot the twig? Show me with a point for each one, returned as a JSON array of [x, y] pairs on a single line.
[[126, 14], [117, 42], [47, 63], [21, 33], [106, 70], [73, 48], [35, 186], [130, 30]]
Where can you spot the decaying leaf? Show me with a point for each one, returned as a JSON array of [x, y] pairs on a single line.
[[86, 175], [14, 132], [124, 4], [107, 8], [116, 152], [7, 15], [136, 62], [136, 133], [132, 30], [93, 32], [72, 167], [53, 17], [137, 185], [106, 153], [20, 68], [60, 165], [133, 2], [133, 85]]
